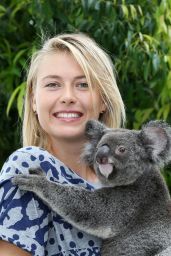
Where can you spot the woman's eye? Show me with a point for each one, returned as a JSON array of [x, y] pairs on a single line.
[[52, 85], [83, 85]]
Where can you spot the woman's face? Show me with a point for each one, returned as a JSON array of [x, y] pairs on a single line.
[[62, 98]]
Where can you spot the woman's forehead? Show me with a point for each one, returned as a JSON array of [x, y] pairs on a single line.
[[61, 65]]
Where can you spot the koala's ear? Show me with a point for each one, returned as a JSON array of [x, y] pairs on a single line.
[[156, 137], [94, 130]]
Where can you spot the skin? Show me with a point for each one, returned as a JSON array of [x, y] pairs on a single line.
[[8, 249], [62, 87]]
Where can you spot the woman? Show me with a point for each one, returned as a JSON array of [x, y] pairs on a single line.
[[70, 81]]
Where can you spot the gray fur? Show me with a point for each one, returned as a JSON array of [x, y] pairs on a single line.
[[132, 211]]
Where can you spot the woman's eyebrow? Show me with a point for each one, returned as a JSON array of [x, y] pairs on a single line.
[[59, 77], [51, 76], [80, 77]]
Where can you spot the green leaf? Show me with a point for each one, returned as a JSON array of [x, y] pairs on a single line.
[[147, 71], [124, 10], [147, 47], [169, 80], [166, 111], [18, 56], [2, 10], [12, 98], [140, 36], [85, 5], [156, 62], [133, 11], [20, 99], [140, 10]]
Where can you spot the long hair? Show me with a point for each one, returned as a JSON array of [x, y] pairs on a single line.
[[99, 71]]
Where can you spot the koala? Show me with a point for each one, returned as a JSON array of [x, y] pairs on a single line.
[[131, 212]]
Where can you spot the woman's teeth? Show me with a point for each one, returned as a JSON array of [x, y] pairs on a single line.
[[68, 115]]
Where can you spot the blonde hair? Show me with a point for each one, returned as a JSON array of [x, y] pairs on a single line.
[[98, 70]]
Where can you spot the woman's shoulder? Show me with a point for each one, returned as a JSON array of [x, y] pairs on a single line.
[[29, 154], [31, 151], [23, 159]]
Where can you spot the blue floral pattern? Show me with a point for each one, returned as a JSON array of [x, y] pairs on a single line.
[[27, 222]]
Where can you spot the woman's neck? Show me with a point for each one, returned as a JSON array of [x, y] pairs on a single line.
[[69, 154]]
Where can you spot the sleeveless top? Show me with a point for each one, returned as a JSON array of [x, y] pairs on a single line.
[[27, 222]]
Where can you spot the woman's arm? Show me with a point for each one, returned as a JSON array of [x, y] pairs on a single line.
[[15, 207], [8, 249]]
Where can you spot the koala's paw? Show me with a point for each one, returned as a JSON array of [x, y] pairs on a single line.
[[29, 182]]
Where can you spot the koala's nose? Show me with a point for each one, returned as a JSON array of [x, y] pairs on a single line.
[[102, 154]]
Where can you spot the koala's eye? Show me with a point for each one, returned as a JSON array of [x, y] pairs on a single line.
[[120, 150]]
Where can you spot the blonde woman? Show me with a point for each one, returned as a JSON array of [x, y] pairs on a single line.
[[70, 81]]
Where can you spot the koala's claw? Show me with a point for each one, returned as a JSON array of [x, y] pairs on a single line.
[[36, 171]]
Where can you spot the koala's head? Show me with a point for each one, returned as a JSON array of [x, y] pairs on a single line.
[[120, 156]]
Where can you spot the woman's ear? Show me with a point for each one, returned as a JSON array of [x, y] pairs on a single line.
[[103, 107], [33, 102]]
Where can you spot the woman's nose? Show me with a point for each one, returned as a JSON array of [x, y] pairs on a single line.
[[68, 96]]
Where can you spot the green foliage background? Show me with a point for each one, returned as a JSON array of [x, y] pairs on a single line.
[[136, 34]]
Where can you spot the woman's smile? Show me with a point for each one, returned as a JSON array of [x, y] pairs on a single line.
[[68, 116]]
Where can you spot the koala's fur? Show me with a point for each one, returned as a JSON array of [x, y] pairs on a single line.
[[132, 211]]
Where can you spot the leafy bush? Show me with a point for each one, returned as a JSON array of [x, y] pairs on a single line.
[[136, 34]]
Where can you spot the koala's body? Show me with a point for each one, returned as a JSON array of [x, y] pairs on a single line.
[[132, 211]]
